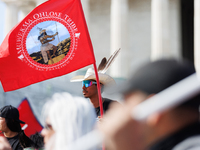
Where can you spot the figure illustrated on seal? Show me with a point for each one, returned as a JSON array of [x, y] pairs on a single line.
[[46, 46]]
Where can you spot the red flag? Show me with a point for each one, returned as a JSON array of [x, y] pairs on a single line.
[[4, 52], [51, 41], [26, 114]]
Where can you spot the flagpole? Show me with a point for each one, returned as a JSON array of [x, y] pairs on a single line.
[[99, 94], [99, 90]]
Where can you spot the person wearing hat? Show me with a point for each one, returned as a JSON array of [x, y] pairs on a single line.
[[10, 127], [176, 128], [46, 46], [89, 84]]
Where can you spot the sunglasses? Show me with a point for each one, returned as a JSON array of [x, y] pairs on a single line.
[[88, 83]]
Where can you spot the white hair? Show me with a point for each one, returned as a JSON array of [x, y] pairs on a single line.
[[70, 117]]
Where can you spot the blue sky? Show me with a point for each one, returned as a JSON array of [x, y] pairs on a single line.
[[2, 21], [32, 42]]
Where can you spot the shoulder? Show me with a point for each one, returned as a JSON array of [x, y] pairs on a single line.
[[191, 143], [107, 102], [13, 139], [14, 142]]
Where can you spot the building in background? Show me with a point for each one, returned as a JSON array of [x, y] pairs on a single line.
[[144, 29]]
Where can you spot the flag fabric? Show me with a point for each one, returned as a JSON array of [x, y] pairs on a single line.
[[32, 125], [51, 41], [4, 50]]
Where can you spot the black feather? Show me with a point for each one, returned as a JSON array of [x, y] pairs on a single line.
[[102, 64]]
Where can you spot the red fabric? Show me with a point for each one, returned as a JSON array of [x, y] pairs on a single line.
[[4, 52], [4, 49], [26, 114], [19, 70]]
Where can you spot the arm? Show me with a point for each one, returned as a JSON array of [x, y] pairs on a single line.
[[51, 36], [44, 40]]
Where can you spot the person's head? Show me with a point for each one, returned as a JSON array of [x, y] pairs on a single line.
[[156, 76], [153, 78], [90, 88], [42, 33], [104, 79], [9, 119], [87, 85], [9, 122], [67, 118]]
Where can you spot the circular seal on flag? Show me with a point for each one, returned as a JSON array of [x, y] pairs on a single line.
[[48, 42]]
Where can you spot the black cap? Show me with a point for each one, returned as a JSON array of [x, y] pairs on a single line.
[[156, 76], [10, 112]]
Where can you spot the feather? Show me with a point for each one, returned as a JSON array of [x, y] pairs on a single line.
[[110, 61], [102, 64]]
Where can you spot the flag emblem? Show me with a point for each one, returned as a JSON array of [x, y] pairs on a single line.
[[51, 40]]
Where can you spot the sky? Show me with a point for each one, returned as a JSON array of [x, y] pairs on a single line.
[[2, 21]]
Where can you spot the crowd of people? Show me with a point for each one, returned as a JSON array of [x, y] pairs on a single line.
[[69, 118]]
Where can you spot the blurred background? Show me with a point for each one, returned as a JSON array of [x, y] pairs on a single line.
[[145, 30]]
